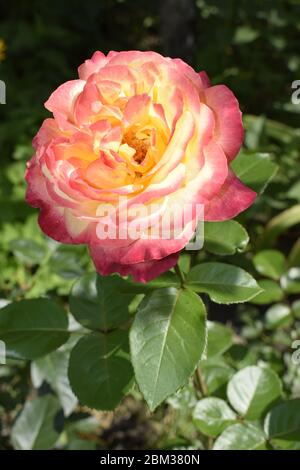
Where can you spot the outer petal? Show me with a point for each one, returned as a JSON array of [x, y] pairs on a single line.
[[204, 78], [199, 79], [36, 193], [92, 65], [62, 226], [135, 58], [48, 131], [62, 100], [140, 250], [141, 272], [233, 198], [229, 131], [145, 272], [56, 222]]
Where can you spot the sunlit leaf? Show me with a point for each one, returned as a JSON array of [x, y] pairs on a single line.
[[167, 340]]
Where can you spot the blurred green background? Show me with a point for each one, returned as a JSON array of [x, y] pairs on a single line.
[[253, 47]]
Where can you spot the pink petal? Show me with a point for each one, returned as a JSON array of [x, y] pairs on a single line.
[[92, 65], [170, 184], [145, 272], [214, 172], [128, 252], [83, 107], [207, 182], [62, 100], [36, 193], [135, 58], [48, 131], [119, 74], [200, 80], [204, 79], [52, 223], [233, 198], [141, 272], [135, 109], [229, 131], [176, 148]]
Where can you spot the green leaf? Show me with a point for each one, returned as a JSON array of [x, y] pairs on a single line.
[[245, 34], [219, 338], [255, 129], [83, 426], [167, 340], [224, 283], [241, 437], [184, 264], [33, 328], [167, 279], [53, 368], [296, 309], [80, 444], [100, 303], [254, 169], [133, 306], [278, 315], [28, 252], [270, 263], [280, 224], [282, 423], [241, 356], [281, 444], [252, 390], [216, 375], [66, 261], [294, 191], [100, 372], [185, 398], [35, 427], [271, 292], [212, 416], [236, 238], [290, 281], [294, 256]]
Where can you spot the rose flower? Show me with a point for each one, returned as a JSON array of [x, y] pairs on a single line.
[[136, 129]]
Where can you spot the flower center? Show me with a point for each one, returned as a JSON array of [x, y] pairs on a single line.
[[140, 145]]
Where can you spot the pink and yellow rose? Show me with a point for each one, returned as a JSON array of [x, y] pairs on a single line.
[[143, 128]]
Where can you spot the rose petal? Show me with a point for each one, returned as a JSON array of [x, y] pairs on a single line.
[[92, 65], [233, 198], [229, 131], [141, 272], [62, 100]]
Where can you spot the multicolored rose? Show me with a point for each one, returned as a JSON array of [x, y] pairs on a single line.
[[135, 129]]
